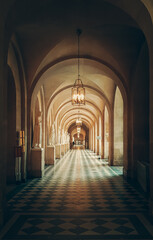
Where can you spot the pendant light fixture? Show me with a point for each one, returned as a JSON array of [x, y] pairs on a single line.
[[78, 129], [78, 91], [78, 120]]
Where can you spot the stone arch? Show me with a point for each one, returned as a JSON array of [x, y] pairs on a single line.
[[38, 115], [14, 61], [70, 119], [73, 120], [37, 134], [11, 126], [15, 72], [76, 114]]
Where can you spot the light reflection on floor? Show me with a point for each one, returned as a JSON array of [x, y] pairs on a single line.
[[81, 197]]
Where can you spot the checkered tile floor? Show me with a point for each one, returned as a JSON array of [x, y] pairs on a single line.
[[81, 197]]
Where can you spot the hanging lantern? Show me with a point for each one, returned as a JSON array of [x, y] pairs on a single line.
[[78, 91], [79, 122], [78, 129]]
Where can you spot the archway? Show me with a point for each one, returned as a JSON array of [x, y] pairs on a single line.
[[37, 135], [11, 126]]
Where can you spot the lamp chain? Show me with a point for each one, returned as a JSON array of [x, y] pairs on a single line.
[[79, 32]]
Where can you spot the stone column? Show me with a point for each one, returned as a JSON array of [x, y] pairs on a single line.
[[90, 139], [58, 151], [97, 136], [53, 136], [49, 128], [62, 141], [93, 138], [59, 135], [58, 145], [111, 137], [62, 149], [100, 139], [65, 147], [102, 135]]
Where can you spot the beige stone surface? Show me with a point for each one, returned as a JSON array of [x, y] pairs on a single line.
[[37, 163], [58, 151], [50, 158]]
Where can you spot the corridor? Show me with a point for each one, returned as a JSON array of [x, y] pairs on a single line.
[[80, 197]]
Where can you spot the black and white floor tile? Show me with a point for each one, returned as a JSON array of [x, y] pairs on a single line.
[[81, 197]]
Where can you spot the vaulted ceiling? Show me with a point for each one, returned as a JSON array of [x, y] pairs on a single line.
[[109, 46]]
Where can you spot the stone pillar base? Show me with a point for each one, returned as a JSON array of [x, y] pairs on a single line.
[[98, 152], [68, 146], [62, 149], [58, 151], [50, 156], [37, 162], [65, 147]]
